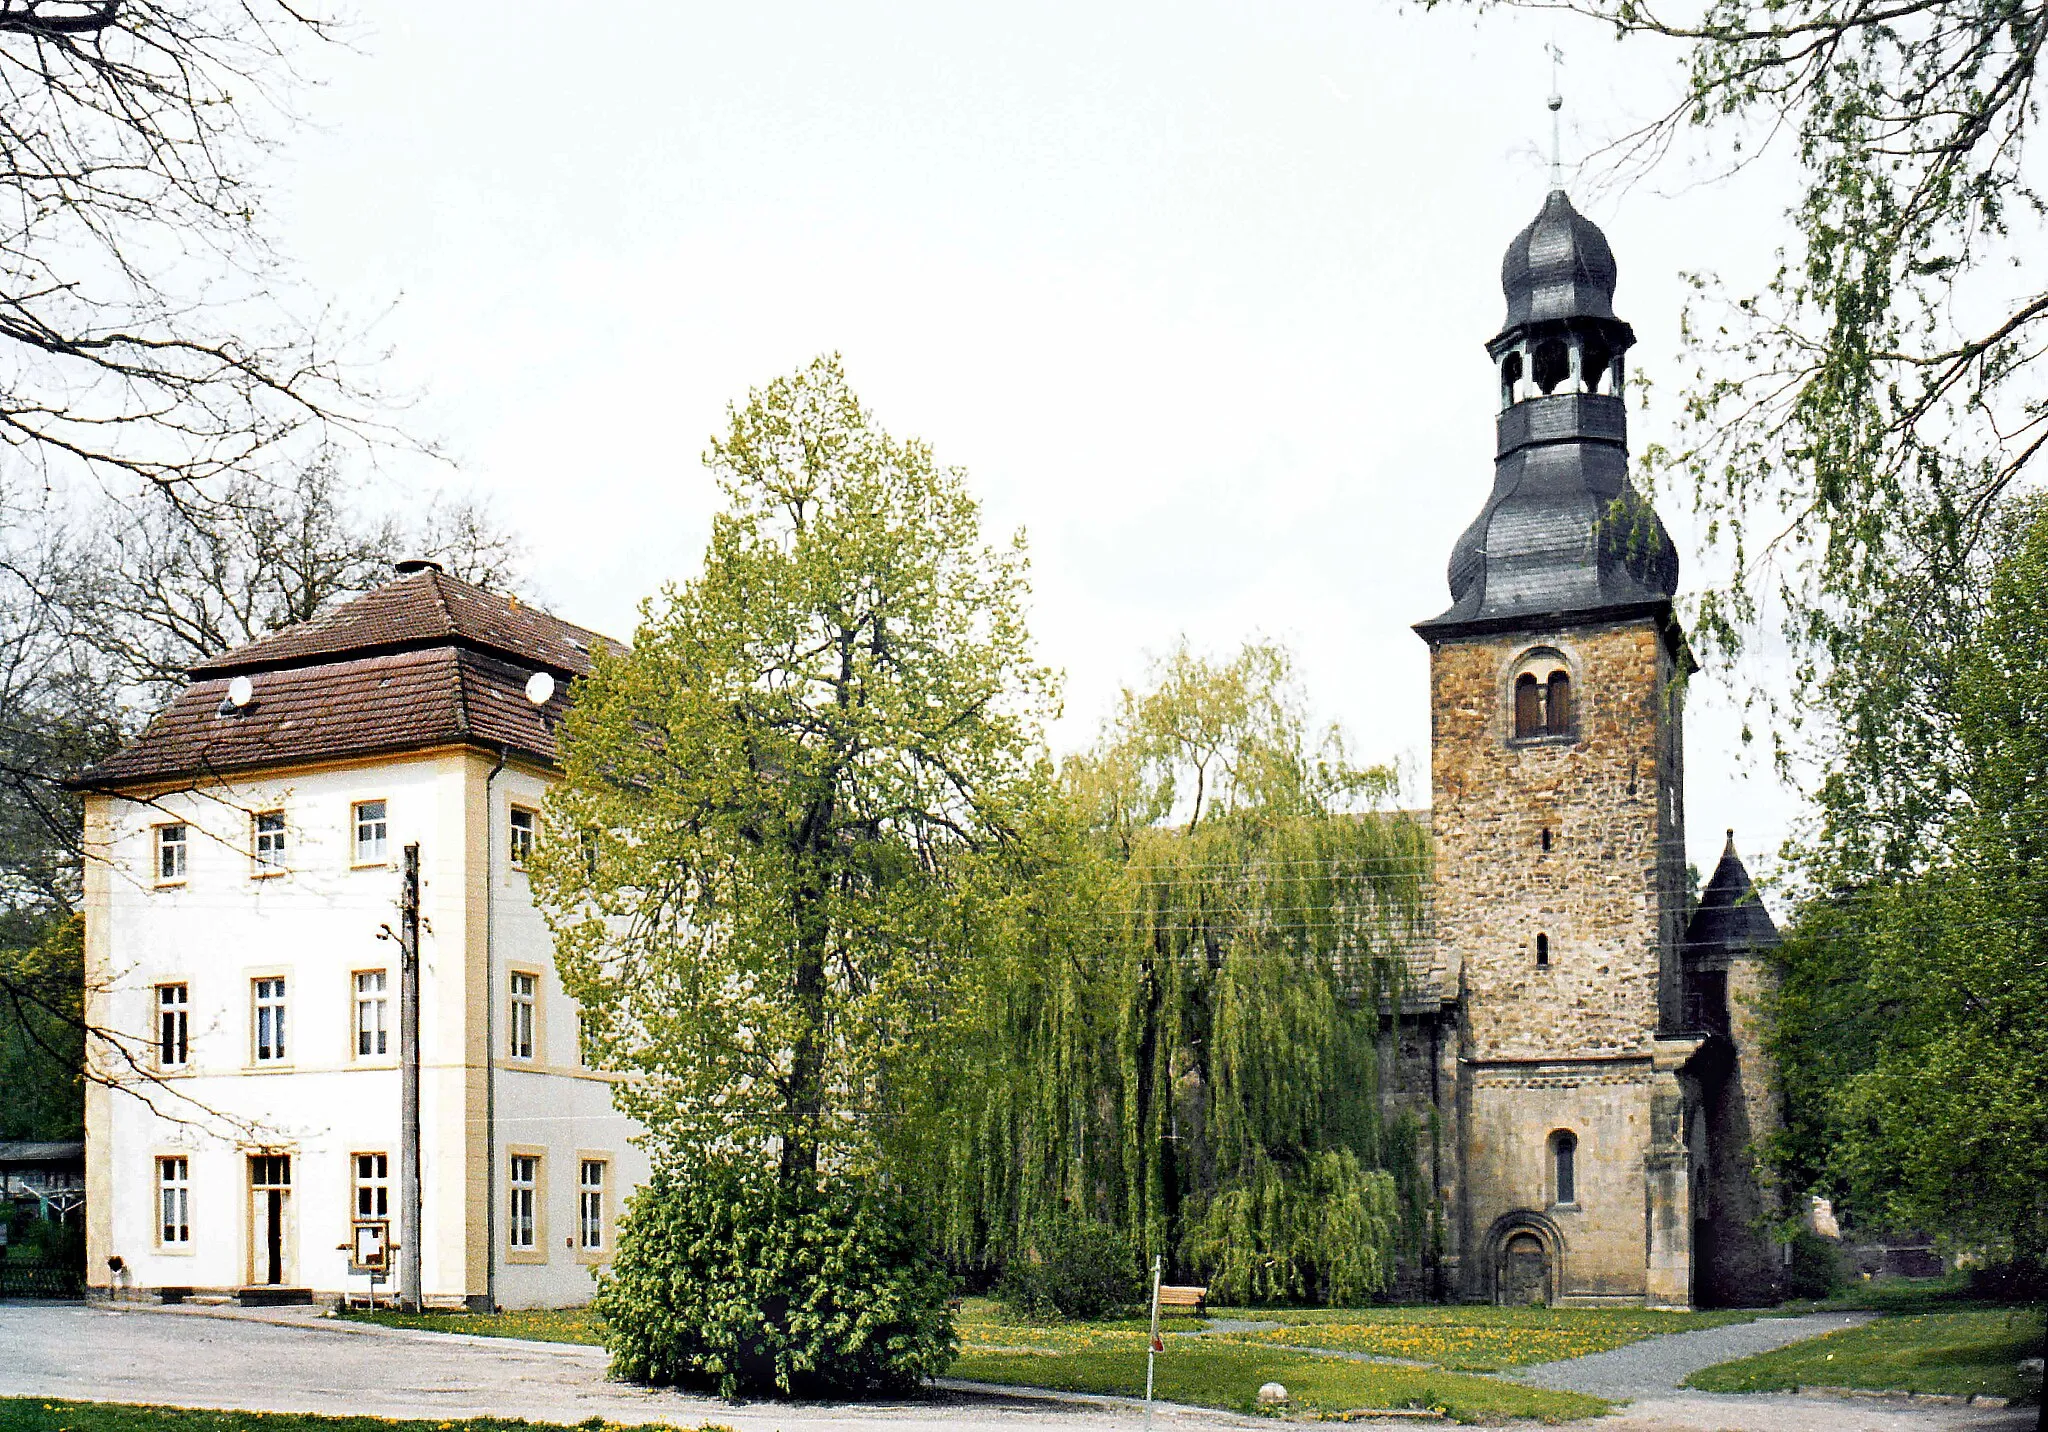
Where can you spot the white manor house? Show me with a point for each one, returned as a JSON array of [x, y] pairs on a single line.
[[242, 887]]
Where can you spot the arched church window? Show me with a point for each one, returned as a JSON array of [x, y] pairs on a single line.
[[1552, 364], [1543, 952], [1510, 374], [1541, 695], [1564, 1158], [1528, 705], [1557, 704]]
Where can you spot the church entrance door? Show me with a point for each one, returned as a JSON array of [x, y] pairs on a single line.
[[1524, 1271]]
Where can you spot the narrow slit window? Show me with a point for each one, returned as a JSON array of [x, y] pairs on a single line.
[[1564, 1153], [1546, 840], [1542, 951]]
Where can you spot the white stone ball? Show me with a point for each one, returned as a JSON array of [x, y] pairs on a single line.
[[1272, 1395]]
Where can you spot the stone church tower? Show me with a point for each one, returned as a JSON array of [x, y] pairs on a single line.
[[1571, 1075]]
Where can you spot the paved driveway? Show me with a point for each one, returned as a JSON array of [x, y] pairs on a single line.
[[299, 1364]]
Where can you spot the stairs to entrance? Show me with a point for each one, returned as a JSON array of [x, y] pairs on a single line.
[[270, 1295]]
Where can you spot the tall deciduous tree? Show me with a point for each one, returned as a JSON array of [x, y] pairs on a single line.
[[1914, 1018], [1178, 1000], [145, 343], [754, 881]]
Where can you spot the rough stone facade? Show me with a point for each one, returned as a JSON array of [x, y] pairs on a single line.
[[1584, 1054], [1559, 908]]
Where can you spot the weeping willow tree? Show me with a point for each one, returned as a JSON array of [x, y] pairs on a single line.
[[1184, 974]]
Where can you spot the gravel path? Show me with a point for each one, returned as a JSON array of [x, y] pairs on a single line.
[[287, 1363], [292, 1362], [1661, 1364]]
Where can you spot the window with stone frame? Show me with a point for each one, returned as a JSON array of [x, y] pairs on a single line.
[[173, 1027], [171, 847], [1564, 1162], [1541, 696], [174, 1200]]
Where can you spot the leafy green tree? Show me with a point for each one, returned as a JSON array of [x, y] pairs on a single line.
[[42, 1028], [1914, 1017], [1178, 999], [768, 803]]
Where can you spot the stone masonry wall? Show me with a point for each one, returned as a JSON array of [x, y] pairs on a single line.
[[1569, 1046], [1609, 795]]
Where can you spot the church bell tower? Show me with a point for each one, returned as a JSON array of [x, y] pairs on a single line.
[[1556, 681]]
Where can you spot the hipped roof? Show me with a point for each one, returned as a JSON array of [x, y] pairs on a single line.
[[421, 662]]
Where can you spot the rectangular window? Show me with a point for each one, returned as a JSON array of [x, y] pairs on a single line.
[[173, 1187], [522, 834], [269, 999], [269, 841], [170, 853], [524, 1183], [524, 986], [268, 1171], [373, 834], [172, 1026], [372, 1037], [373, 1185], [590, 1205]]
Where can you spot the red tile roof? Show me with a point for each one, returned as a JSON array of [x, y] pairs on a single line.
[[428, 608], [424, 661]]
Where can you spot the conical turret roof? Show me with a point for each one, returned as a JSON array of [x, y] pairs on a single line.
[[1731, 918]]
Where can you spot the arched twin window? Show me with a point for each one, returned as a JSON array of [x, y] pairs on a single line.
[[1543, 707], [1564, 1160]]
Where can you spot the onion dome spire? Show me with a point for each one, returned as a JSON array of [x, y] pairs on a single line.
[[1564, 536]]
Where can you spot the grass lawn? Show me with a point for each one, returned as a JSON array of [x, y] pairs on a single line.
[[1961, 1353], [1475, 1339], [1219, 1373], [1225, 1370], [38, 1414], [570, 1325]]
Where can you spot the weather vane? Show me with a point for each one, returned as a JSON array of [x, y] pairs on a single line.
[[1556, 103]]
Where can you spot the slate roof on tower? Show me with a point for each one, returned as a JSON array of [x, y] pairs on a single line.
[[1564, 536], [1731, 918], [420, 662], [1558, 267]]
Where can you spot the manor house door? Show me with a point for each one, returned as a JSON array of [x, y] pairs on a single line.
[[270, 1206], [1524, 1271]]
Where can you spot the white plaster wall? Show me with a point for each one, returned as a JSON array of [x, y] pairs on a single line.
[[318, 924]]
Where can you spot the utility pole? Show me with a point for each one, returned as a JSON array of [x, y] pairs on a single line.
[[409, 1081]]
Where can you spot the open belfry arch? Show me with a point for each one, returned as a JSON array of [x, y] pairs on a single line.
[[1593, 1120]]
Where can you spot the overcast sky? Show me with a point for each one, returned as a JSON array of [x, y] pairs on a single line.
[[1195, 293]]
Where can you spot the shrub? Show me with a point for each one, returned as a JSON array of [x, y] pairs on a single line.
[[728, 1280], [1074, 1269], [1322, 1233], [1815, 1269]]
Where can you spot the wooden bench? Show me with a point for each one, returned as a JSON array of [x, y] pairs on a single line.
[[1183, 1300]]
